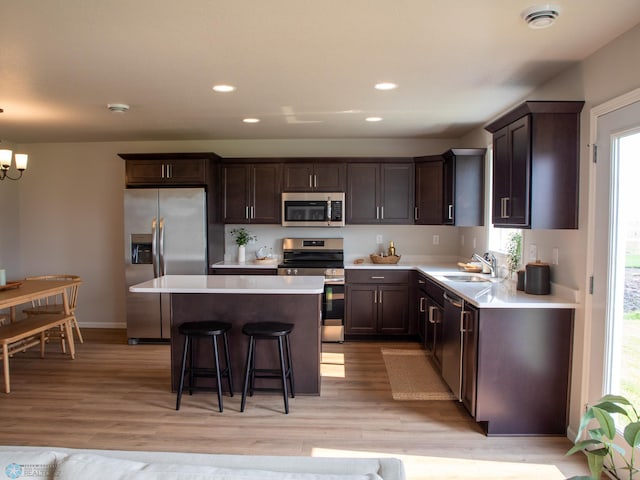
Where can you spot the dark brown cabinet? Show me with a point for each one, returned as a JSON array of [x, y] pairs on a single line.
[[431, 315], [536, 165], [163, 169], [252, 193], [469, 357], [428, 190], [380, 193], [377, 302], [463, 187], [314, 177]]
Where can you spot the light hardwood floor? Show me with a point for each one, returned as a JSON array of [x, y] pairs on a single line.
[[117, 396]]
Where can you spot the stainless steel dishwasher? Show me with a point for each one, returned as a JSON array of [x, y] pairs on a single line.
[[452, 342]]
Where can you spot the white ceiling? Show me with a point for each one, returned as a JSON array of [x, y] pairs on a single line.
[[305, 67]]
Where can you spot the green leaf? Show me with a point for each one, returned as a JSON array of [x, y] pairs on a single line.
[[606, 422], [614, 399], [612, 408], [586, 418], [583, 445], [596, 462], [632, 434]]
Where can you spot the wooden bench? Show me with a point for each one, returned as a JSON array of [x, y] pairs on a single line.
[[18, 336]]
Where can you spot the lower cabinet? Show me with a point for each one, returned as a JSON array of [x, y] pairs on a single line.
[[377, 302], [516, 366]]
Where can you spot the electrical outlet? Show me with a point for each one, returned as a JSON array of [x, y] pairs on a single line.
[[378, 238], [555, 255], [533, 252], [462, 240], [436, 239], [474, 243]]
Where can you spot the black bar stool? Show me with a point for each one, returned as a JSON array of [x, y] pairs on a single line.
[[268, 331], [192, 331]]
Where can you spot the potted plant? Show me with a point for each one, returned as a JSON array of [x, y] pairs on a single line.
[[242, 237], [514, 252], [600, 446]]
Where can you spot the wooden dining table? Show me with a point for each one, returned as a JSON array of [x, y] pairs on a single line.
[[24, 292]]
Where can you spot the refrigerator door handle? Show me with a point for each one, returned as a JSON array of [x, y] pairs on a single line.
[[161, 256], [154, 247]]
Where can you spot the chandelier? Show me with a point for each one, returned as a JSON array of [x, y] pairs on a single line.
[[5, 163]]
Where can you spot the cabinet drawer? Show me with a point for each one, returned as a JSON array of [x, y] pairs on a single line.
[[435, 291], [377, 276]]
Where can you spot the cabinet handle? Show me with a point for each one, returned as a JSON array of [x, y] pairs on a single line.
[[253, 215], [464, 328], [169, 170], [377, 213], [162, 175], [381, 213], [432, 310], [504, 201], [421, 305], [375, 296], [315, 181], [246, 212], [310, 182], [415, 213], [380, 298], [450, 212], [377, 278], [422, 282]]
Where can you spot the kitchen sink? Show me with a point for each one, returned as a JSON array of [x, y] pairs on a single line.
[[466, 278]]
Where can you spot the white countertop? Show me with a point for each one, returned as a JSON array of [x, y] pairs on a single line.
[[240, 284], [496, 293]]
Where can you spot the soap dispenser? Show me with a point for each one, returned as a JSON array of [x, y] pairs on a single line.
[[392, 249]]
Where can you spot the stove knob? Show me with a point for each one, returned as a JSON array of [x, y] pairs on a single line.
[[288, 271], [295, 271]]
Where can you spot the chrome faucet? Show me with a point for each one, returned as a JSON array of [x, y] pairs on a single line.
[[489, 260]]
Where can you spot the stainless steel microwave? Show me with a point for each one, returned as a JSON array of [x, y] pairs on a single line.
[[312, 209]]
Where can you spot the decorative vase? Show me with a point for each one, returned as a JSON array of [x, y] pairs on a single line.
[[241, 254]]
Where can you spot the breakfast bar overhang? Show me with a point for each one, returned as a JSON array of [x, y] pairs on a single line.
[[239, 299]]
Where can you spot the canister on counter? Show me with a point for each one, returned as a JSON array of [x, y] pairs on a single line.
[[520, 283], [537, 278]]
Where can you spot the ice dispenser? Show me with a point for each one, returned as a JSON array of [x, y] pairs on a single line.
[[141, 248]]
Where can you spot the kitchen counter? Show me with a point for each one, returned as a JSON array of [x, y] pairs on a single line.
[[237, 284], [239, 299], [494, 293]]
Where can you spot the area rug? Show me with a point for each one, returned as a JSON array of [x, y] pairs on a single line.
[[413, 377]]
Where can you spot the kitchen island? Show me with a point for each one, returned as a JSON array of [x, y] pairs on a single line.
[[239, 299]]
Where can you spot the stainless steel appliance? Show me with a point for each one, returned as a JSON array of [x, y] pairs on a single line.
[[320, 256], [453, 329], [312, 209], [164, 233]]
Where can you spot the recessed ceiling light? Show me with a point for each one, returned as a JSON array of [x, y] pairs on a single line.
[[385, 86], [118, 107], [373, 119], [541, 16], [251, 120], [223, 88]]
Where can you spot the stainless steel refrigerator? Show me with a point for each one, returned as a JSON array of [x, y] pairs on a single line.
[[164, 234]]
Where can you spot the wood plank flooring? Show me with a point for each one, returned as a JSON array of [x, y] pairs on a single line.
[[117, 396]]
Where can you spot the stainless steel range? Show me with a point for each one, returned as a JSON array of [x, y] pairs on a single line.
[[320, 256]]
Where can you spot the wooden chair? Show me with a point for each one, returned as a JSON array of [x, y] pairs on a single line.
[[54, 305]]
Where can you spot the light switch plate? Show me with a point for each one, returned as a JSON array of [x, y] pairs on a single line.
[[436, 239], [533, 253]]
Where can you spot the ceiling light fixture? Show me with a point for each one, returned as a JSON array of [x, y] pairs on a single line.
[[251, 120], [373, 119], [223, 88], [5, 163], [541, 16], [385, 86], [118, 107]]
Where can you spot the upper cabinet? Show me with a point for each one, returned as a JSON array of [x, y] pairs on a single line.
[[380, 193], [314, 177], [251, 192], [463, 187], [536, 165], [166, 169], [429, 200]]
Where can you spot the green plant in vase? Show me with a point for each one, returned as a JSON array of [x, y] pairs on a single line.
[[600, 446], [242, 236], [514, 252]]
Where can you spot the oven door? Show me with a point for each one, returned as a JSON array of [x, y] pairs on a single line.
[[333, 311]]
